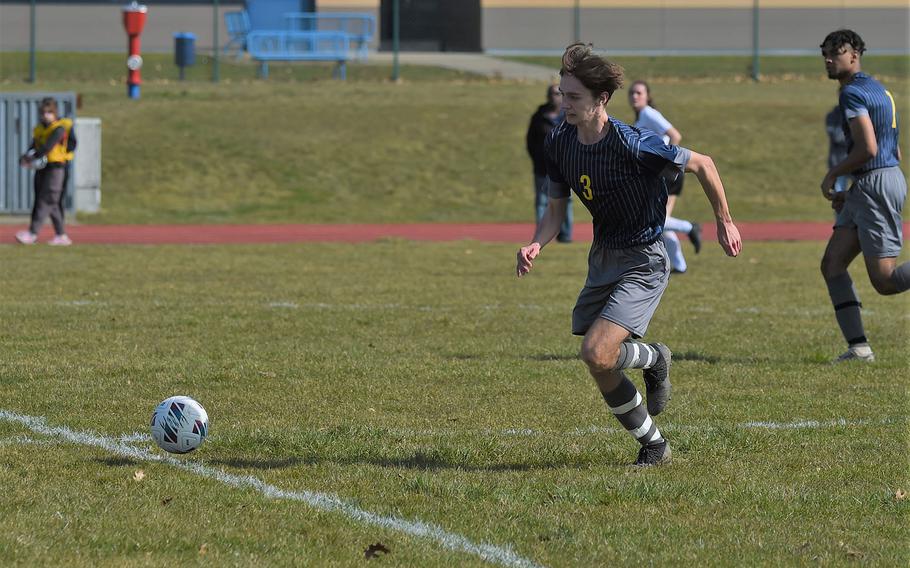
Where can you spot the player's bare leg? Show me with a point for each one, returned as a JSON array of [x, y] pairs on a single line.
[[605, 351], [886, 276]]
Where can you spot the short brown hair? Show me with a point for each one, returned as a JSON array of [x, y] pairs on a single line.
[[48, 103], [596, 73]]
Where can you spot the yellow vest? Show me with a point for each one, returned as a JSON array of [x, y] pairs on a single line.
[[58, 153]]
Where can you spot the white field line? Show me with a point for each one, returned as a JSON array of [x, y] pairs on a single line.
[[322, 501], [140, 437], [323, 306], [813, 312], [814, 424], [347, 307], [26, 441]]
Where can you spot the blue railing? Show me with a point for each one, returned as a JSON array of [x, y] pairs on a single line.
[[359, 27]]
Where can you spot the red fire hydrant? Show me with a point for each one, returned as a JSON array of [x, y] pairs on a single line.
[[133, 21]]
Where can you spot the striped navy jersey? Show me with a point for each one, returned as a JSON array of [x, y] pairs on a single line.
[[621, 179], [866, 96]]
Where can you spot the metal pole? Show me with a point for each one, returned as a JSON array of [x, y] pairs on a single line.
[[755, 70], [31, 43], [395, 36], [215, 70], [577, 22]]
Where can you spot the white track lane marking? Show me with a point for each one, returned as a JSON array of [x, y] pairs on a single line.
[[322, 501]]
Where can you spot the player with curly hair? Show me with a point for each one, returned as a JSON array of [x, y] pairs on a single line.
[[869, 213]]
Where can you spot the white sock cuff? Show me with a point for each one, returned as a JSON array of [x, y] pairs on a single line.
[[678, 225]]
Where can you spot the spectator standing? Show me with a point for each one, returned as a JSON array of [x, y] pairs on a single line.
[[48, 154], [547, 117]]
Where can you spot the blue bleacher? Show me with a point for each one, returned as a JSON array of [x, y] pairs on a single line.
[[360, 28], [284, 45], [277, 30], [238, 26]]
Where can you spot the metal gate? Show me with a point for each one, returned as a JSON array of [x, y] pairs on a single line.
[[18, 117]]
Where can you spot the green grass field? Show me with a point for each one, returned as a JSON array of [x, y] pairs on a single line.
[[440, 146], [425, 382], [356, 391]]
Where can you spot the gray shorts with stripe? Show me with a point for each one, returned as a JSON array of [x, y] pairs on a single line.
[[624, 286], [873, 207]]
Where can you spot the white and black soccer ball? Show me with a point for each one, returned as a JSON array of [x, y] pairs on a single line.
[[179, 425]]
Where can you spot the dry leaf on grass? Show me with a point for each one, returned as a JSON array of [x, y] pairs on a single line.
[[900, 495], [850, 551], [139, 475], [203, 548], [166, 500], [374, 550]]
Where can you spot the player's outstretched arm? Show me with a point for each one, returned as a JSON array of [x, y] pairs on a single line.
[[727, 233], [546, 231]]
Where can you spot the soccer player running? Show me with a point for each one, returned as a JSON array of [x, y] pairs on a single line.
[[869, 213], [621, 175]]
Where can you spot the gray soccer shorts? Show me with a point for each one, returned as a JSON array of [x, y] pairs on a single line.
[[623, 286], [873, 207]]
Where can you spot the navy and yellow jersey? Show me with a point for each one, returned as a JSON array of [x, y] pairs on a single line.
[[866, 96], [621, 179]]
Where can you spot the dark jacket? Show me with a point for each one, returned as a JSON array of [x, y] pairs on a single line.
[[538, 129]]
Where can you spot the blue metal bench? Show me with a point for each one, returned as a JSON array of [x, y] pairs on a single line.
[[238, 26], [360, 27], [279, 45]]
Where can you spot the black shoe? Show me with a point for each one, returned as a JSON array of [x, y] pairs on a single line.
[[564, 239], [653, 454], [657, 380], [695, 237]]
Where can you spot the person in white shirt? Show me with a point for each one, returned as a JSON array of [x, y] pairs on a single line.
[[648, 117]]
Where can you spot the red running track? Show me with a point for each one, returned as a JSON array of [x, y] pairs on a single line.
[[518, 233]]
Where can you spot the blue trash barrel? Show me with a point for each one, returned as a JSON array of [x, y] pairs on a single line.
[[184, 50]]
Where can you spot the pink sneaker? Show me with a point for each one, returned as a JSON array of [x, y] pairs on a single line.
[[60, 241], [26, 237]]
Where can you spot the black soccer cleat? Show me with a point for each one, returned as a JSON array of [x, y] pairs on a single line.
[[653, 454], [657, 380], [695, 237]]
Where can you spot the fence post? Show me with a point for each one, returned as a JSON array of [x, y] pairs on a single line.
[[395, 36], [576, 27], [755, 70], [216, 72], [31, 42]]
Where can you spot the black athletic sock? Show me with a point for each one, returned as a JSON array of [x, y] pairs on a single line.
[[847, 308], [625, 403]]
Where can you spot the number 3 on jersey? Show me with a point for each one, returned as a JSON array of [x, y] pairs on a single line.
[[893, 110], [587, 192]]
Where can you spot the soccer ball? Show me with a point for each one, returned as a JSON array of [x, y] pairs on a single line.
[[35, 163], [179, 425]]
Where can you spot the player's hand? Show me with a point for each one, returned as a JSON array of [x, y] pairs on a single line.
[[525, 256], [838, 200], [828, 186], [728, 237], [24, 161]]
